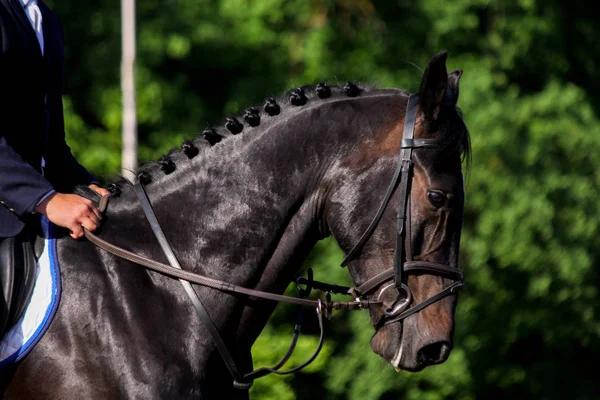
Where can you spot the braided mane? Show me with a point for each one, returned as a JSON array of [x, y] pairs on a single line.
[[252, 118]]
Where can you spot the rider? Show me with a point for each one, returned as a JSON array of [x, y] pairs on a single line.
[[37, 169]]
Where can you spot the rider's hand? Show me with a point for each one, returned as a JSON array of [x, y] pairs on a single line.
[[70, 211]]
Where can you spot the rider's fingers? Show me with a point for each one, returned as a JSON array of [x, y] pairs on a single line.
[[96, 212], [90, 223], [76, 231]]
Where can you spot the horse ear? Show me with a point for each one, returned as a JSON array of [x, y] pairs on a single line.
[[433, 86], [451, 95]]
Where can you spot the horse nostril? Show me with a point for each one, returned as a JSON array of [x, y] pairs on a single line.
[[434, 353]]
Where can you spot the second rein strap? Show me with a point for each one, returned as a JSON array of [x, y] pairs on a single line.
[[187, 286], [186, 278]]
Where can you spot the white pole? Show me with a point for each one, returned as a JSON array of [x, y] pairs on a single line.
[[129, 153]]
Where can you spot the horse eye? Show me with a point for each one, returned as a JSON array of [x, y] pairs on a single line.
[[437, 198]]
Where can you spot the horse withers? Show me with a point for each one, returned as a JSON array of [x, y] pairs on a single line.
[[245, 203]]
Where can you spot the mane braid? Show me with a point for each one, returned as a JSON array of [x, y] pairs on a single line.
[[212, 136], [271, 107], [323, 91], [189, 149], [254, 118], [114, 189], [234, 126], [297, 97], [351, 89], [166, 165]]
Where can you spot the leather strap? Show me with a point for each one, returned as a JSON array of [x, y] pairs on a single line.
[[369, 231], [215, 283], [419, 266], [449, 290], [407, 144], [405, 183], [187, 286], [419, 143], [211, 282], [408, 234], [275, 370], [325, 287], [175, 270], [439, 269], [375, 281]]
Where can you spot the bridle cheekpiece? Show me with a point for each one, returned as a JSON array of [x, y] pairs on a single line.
[[396, 297]]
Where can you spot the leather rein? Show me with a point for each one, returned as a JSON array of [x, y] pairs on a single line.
[[395, 310], [240, 381]]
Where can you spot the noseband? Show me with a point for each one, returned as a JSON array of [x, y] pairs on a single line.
[[396, 297]]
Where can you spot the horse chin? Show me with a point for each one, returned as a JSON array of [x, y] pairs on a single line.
[[388, 343], [404, 354]]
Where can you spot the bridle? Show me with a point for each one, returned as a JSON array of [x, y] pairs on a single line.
[[396, 296], [393, 298]]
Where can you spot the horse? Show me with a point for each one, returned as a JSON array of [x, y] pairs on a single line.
[[245, 203]]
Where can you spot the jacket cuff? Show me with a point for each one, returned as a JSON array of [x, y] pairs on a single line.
[[44, 197]]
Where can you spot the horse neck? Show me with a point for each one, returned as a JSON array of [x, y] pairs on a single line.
[[247, 209]]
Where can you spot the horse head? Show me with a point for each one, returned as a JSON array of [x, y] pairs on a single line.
[[418, 231]]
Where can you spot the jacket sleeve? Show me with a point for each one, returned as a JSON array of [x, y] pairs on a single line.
[[62, 169], [21, 186]]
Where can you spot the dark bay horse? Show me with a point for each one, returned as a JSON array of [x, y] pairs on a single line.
[[245, 203]]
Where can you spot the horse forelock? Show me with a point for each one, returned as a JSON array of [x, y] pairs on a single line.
[[455, 136]]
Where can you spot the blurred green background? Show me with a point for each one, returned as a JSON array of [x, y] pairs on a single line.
[[528, 324]]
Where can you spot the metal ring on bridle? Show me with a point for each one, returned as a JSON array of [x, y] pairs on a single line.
[[397, 303]]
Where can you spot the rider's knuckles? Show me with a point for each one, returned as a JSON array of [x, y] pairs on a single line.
[[82, 210]]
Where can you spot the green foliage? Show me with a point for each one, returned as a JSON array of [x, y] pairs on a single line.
[[527, 325]]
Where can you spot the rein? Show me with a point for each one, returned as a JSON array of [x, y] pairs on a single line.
[[394, 307], [223, 286], [241, 381]]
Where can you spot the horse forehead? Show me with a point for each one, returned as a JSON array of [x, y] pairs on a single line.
[[384, 143]]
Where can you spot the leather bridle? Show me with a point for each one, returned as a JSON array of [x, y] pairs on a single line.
[[393, 298], [395, 305]]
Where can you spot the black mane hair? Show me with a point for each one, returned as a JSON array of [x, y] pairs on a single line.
[[255, 116]]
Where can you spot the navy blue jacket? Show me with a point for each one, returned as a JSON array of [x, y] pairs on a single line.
[[31, 117]]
